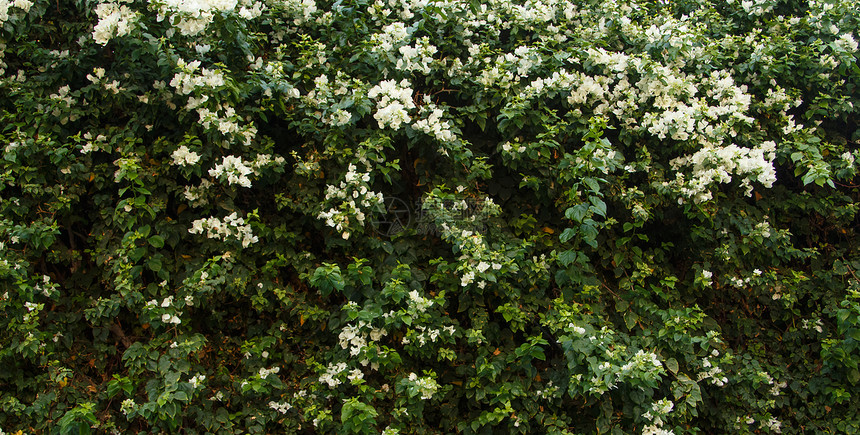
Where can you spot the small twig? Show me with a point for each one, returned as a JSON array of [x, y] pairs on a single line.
[[117, 330], [850, 186], [850, 270]]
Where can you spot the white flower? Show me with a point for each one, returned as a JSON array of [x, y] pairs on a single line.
[[847, 42], [234, 169], [232, 226], [663, 406], [418, 302], [114, 20], [339, 117], [774, 425], [97, 75], [377, 333], [23, 4], [712, 165], [654, 430], [197, 380], [355, 374], [264, 372], [127, 406], [426, 386], [171, 319], [330, 377], [280, 407], [393, 101]]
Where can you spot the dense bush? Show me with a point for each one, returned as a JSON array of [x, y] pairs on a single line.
[[422, 217]]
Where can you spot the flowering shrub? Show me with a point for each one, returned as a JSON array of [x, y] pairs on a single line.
[[414, 217]]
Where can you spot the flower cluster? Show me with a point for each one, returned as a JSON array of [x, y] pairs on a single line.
[[391, 35], [184, 157], [815, 324], [191, 77], [197, 380], [425, 386], [433, 122], [352, 337], [192, 17], [717, 165], [63, 95], [332, 97], [114, 20], [281, 407], [393, 101], [757, 7], [234, 169], [354, 198], [659, 410], [418, 302], [773, 424], [128, 405], [96, 143], [23, 5], [422, 335], [197, 195], [225, 120], [641, 363], [44, 286], [549, 391], [171, 316], [712, 372], [232, 226], [265, 373], [847, 43], [333, 375], [196, 81], [300, 10], [456, 219], [418, 57]]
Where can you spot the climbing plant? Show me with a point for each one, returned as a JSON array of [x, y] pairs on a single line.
[[422, 217]]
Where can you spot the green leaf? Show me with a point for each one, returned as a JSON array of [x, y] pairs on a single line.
[[136, 254], [599, 206], [577, 212], [853, 376], [672, 365], [567, 234], [592, 184], [567, 257], [630, 319], [154, 264], [589, 233], [328, 278], [156, 241]]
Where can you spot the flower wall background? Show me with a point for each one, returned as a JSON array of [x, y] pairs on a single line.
[[425, 217]]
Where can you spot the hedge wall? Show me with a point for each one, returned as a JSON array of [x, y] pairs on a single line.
[[422, 217]]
